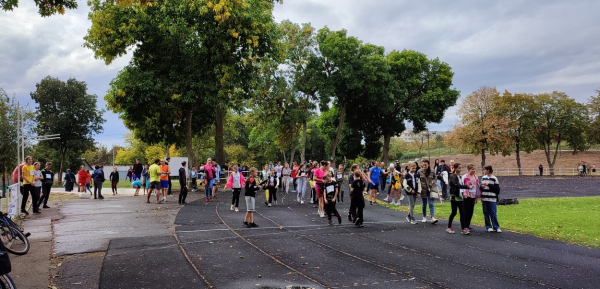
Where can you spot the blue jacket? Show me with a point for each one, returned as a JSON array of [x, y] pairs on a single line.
[[98, 176]]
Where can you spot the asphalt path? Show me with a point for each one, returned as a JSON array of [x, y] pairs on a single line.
[[295, 247], [546, 186]]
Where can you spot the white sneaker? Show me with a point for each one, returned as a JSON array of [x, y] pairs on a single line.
[[301, 201], [236, 209], [434, 220], [413, 222], [312, 201], [298, 199], [269, 205], [231, 207], [490, 230], [408, 219], [401, 197], [498, 230], [424, 220]]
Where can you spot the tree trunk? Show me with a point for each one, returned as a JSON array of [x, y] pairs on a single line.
[[188, 139], [386, 147], [219, 152], [303, 142], [555, 154], [518, 153], [167, 151], [337, 135], [60, 171], [482, 158], [292, 155]]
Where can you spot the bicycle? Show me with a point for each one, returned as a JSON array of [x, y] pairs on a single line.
[[5, 267], [12, 236]]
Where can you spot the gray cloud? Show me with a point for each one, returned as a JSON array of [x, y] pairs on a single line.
[[522, 46]]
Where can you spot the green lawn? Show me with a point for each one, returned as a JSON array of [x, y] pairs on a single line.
[[573, 220]]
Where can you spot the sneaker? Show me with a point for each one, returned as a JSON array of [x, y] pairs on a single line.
[[312, 201], [231, 208], [302, 202], [298, 199], [376, 203], [424, 220], [349, 218], [236, 209], [268, 205], [253, 225], [371, 203], [101, 197], [275, 202], [330, 222], [206, 200], [490, 230], [246, 225], [434, 220], [339, 220], [498, 230], [408, 219], [465, 232], [46, 207], [412, 221], [322, 215], [36, 212], [24, 212], [450, 231]]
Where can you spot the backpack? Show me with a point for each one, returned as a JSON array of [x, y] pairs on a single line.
[[502, 202]]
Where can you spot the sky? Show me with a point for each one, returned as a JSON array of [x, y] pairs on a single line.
[[531, 46]]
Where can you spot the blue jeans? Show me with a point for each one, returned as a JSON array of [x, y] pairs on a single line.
[[425, 202], [208, 190], [490, 215], [382, 184]]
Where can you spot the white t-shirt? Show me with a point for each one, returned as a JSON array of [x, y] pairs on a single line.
[[236, 180], [38, 173]]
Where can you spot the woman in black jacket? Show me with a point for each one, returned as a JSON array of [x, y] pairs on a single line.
[[114, 180], [456, 199]]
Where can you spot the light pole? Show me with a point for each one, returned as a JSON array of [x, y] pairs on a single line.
[[428, 135]]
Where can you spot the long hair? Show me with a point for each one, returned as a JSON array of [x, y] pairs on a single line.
[[428, 170]]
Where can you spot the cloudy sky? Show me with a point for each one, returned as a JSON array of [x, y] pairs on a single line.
[[522, 46]]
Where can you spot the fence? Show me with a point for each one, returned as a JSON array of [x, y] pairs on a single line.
[[536, 171]]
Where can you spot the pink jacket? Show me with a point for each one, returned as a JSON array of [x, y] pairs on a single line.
[[468, 180], [229, 183]]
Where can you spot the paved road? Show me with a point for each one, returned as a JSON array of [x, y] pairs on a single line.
[[294, 247]]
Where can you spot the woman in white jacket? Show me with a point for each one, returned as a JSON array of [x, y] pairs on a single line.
[[412, 188]]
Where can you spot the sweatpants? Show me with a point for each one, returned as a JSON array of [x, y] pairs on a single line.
[[235, 200], [113, 186], [412, 199], [45, 194], [183, 194], [469, 208], [98, 189], [461, 209], [286, 183], [357, 204], [301, 187], [330, 210], [272, 194]]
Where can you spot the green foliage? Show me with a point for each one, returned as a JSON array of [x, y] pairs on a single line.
[[46, 7], [8, 129], [65, 108], [593, 131]]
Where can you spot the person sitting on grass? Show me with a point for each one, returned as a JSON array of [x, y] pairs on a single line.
[[490, 189]]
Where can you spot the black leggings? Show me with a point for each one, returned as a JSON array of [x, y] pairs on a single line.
[[357, 204], [461, 209], [35, 195], [45, 194], [469, 208], [340, 196], [313, 195], [330, 210], [235, 200], [272, 194], [182, 193]]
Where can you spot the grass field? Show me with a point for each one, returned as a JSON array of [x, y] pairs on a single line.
[[572, 220]]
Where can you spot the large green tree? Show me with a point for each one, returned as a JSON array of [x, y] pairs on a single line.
[[421, 91], [190, 59], [593, 132], [67, 109], [8, 129], [559, 118]]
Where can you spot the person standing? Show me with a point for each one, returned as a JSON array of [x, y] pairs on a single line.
[[88, 182], [48, 179], [69, 180], [129, 173], [286, 173], [235, 182], [331, 189], [301, 176], [374, 173], [194, 177], [318, 175], [170, 185], [37, 188], [294, 176], [250, 194], [81, 177], [490, 189], [412, 187], [395, 184], [137, 170], [217, 178], [457, 200], [541, 168], [154, 175], [98, 177], [182, 183], [278, 169], [382, 179], [145, 179], [272, 184], [470, 195], [357, 200], [28, 173], [165, 172], [443, 174], [339, 178], [114, 180], [427, 179], [209, 174]]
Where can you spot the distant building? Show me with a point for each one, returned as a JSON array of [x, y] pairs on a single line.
[[409, 136]]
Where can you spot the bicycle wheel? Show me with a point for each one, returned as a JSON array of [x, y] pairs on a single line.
[[14, 240], [6, 282]]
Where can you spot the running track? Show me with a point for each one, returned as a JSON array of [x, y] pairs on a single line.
[[293, 246]]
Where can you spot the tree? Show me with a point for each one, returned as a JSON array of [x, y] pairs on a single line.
[[593, 131], [65, 108], [481, 127], [520, 111], [559, 118], [99, 154], [191, 59], [8, 129], [46, 7], [420, 93]]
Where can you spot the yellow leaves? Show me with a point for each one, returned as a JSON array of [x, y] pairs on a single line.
[[233, 33], [176, 96], [149, 4]]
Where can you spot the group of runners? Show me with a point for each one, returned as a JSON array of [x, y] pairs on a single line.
[[326, 186]]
